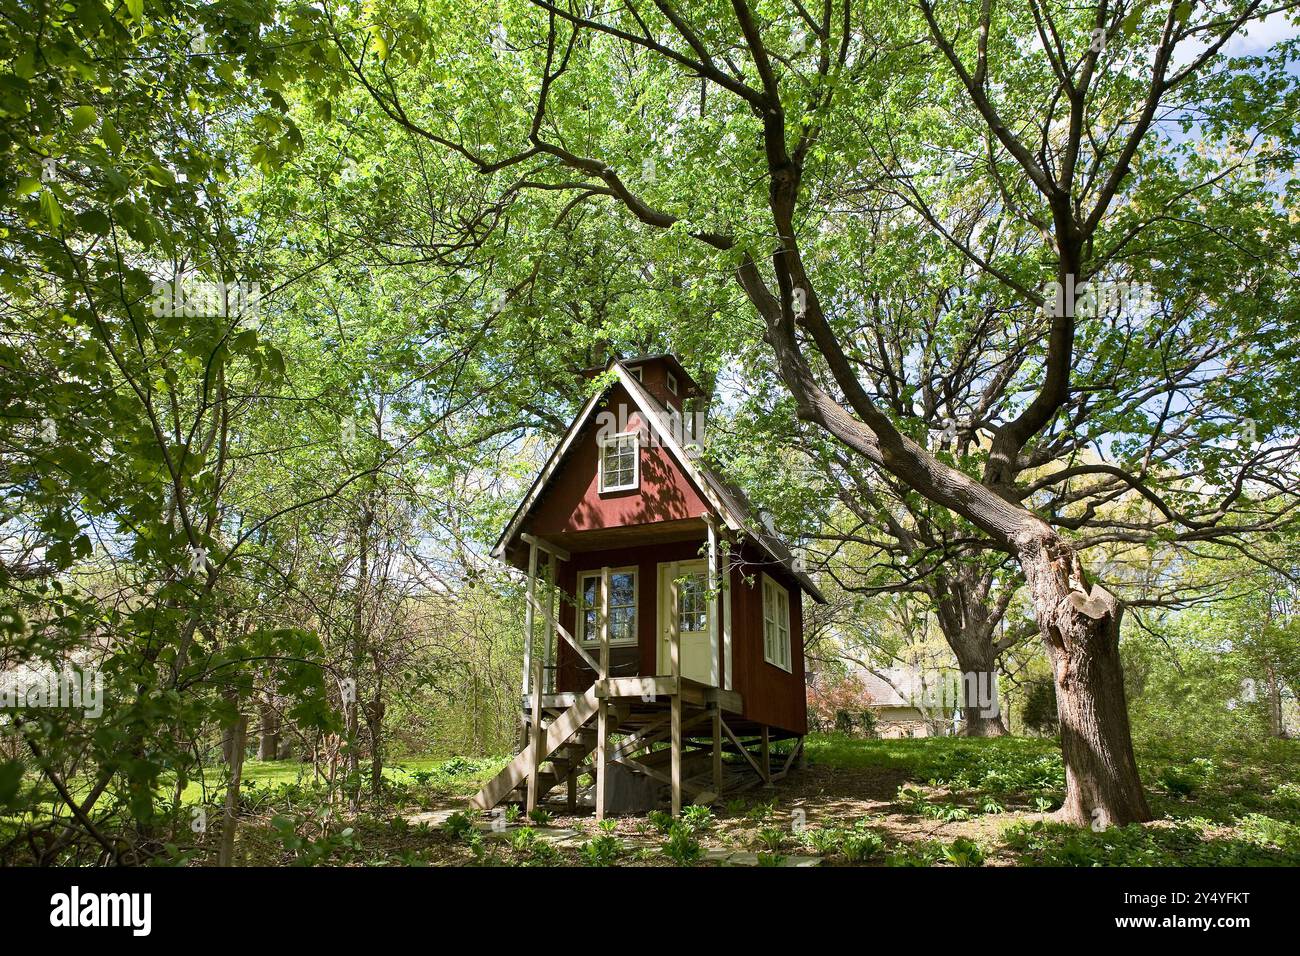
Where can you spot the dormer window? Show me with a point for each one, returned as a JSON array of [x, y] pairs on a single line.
[[637, 372], [619, 462], [672, 383]]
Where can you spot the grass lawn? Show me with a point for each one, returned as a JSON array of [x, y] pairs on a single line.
[[451, 776], [941, 801]]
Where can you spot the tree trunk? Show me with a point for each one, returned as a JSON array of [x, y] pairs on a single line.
[[230, 814], [268, 744], [1276, 725], [969, 623], [374, 712], [1080, 628], [981, 707]]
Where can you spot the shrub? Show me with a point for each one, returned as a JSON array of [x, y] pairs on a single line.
[[860, 845], [824, 840], [922, 853], [460, 824], [540, 816], [682, 847], [698, 818], [963, 852], [989, 804], [772, 838], [601, 850]]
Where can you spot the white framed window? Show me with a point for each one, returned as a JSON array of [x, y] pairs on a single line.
[[693, 603], [620, 462], [636, 370], [672, 383], [776, 624], [622, 606]]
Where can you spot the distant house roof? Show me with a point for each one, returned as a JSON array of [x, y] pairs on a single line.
[[895, 687], [728, 501]]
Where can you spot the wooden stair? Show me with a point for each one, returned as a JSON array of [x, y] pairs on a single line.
[[567, 742]]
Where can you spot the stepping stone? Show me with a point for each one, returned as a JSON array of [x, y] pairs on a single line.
[[435, 818], [570, 838]]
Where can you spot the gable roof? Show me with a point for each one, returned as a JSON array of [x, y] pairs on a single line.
[[728, 502]]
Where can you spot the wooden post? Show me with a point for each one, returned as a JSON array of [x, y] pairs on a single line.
[[528, 617], [602, 712], [715, 666], [766, 761], [535, 758], [717, 751], [675, 661], [726, 620], [549, 582]]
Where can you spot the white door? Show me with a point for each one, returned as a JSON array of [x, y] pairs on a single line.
[[694, 615]]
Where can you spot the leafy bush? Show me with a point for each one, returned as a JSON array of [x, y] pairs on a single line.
[[964, 852], [540, 816], [602, 850], [310, 852], [771, 859], [698, 818], [771, 837], [661, 820], [860, 845], [989, 804], [682, 847], [921, 853], [1266, 831], [824, 840], [460, 824], [913, 799]]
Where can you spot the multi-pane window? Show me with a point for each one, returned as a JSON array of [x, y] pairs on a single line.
[[622, 607], [672, 383], [618, 462], [776, 624], [692, 603]]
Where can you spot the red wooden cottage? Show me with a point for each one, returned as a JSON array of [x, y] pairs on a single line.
[[664, 617]]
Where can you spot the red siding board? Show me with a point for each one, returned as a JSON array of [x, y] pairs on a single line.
[[771, 695], [573, 501]]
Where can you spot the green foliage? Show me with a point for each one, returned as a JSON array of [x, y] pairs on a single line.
[[920, 853], [682, 847], [1039, 710], [698, 818], [964, 852], [1182, 844], [773, 838], [602, 850], [460, 824], [306, 851], [860, 844]]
